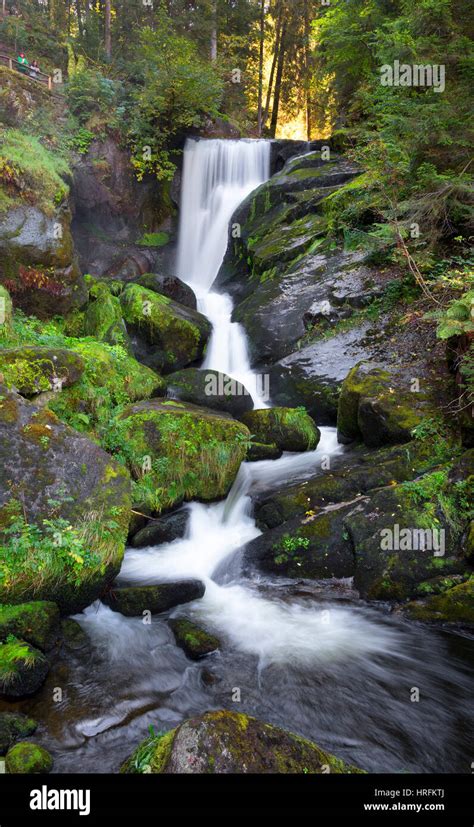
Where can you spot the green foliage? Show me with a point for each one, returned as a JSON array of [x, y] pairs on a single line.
[[82, 140], [288, 547], [90, 93], [457, 318], [30, 172], [176, 90], [154, 239]]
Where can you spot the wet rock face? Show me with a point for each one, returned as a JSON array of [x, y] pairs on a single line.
[[228, 742], [113, 210], [134, 601], [166, 529], [211, 389], [195, 642], [50, 462]]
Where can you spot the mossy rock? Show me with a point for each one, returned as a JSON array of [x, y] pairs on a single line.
[[170, 286], [57, 468], [378, 407], [6, 313], [28, 759], [313, 546], [134, 601], [74, 636], [111, 377], [177, 451], [36, 623], [13, 726], [456, 605], [103, 317], [31, 369], [194, 641], [23, 669], [165, 529], [210, 389], [229, 742], [291, 429], [174, 335]]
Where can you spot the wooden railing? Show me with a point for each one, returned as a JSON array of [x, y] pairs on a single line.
[[27, 71]]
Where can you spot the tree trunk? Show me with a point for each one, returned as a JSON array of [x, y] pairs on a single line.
[[274, 63], [307, 68], [260, 69], [278, 79], [108, 30], [79, 18], [214, 32]]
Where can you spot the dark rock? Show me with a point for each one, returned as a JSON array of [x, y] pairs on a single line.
[[163, 530], [13, 726], [133, 601], [259, 451], [455, 605], [74, 636], [195, 642], [210, 389], [170, 286], [229, 742]]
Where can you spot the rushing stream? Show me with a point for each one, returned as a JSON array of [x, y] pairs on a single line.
[[307, 656]]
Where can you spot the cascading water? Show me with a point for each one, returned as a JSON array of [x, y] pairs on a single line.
[[330, 668], [217, 176]]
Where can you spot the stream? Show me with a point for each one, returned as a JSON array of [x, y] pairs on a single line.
[[308, 656]]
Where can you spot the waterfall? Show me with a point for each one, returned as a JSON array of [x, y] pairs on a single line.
[[217, 176]]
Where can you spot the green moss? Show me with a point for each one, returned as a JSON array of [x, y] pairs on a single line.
[[6, 314], [26, 758], [291, 429], [152, 755], [455, 605], [194, 454], [103, 316], [195, 641], [14, 654], [36, 623], [36, 174]]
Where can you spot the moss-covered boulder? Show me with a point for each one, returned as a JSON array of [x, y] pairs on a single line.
[[314, 546], [260, 451], [27, 759], [64, 509], [31, 369], [210, 389], [455, 605], [36, 623], [13, 726], [103, 317], [170, 286], [6, 313], [229, 742], [290, 429], [378, 407], [166, 335], [194, 641], [177, 451], [23, 669], [133, 601], [111, 377]]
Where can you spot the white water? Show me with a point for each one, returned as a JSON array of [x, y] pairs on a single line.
[[217, 176]]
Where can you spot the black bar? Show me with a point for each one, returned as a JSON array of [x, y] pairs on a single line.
[[328, 795]]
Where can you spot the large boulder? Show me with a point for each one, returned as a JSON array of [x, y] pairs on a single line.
[[165, 529], [166, 335], [38, 261], [177, 451], [49, 472], [132, 601], [32, 369], [229, 742], [36, 623], [290, 429], [210, 389], [23, 669], [378, 407]]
